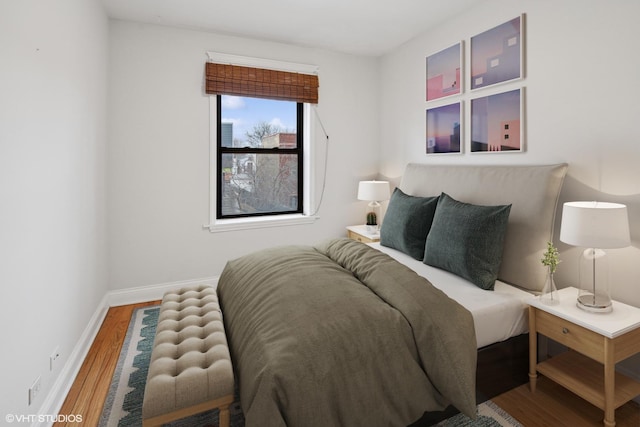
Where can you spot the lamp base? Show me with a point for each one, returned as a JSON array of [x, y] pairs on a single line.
[[594, 303]]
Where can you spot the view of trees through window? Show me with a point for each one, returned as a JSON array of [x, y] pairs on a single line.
[[259, 157]]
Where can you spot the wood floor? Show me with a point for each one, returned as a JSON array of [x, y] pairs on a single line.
[[550, 406]]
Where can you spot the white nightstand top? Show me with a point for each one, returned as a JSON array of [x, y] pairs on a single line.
[[622, 319], [362, 230]]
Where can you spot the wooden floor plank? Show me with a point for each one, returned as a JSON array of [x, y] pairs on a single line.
[[550, 405]]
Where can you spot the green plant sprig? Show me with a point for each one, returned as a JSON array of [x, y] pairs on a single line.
[[551, 258]]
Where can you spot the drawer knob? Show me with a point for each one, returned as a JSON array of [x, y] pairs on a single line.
[[565, 331]]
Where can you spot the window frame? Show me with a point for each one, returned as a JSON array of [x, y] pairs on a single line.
[[298, 151], [308, 216]]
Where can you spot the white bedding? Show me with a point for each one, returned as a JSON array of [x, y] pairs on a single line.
[[498, 315]]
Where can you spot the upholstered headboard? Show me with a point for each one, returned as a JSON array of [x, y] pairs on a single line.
[[532, 191]]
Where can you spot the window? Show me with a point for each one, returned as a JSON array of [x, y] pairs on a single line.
[[261, 141], [260, 156]]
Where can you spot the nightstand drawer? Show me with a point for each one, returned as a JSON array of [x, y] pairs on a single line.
[[359, 238], [571, 335]]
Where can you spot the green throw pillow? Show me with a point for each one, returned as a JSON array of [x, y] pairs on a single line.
[[407, 223], [467, 240]]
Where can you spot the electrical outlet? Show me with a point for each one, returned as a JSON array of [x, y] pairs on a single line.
[[33, 391], [54, 356]]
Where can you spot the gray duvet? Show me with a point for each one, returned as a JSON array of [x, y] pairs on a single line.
[[343, 335]]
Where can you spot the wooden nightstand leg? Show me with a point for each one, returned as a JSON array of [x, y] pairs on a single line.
[[609, 384], [533, 350]]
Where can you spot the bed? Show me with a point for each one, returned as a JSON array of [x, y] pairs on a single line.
[[343, 333]]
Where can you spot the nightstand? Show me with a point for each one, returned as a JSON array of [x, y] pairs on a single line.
[[360, 233], [597, 341]]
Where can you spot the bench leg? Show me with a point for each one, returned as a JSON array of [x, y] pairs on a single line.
[[224, 416]]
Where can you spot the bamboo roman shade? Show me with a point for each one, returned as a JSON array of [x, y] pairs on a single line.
[[225, 79]]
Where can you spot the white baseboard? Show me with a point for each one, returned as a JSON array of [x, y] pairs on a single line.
[[58, 393], [153, 292]]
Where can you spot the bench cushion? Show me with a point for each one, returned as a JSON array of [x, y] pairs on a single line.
[[190, 361]]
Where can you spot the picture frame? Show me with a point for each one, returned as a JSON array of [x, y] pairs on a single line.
[[444, 73], [444, 129], [497, 123], [497, 55]]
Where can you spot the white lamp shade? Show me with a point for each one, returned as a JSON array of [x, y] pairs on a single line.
[[595, 225], [373, 190]]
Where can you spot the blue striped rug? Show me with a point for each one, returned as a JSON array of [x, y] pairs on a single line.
[[123, 407]]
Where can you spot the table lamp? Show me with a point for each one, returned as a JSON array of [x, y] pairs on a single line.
[[595, 226], [374, 192]]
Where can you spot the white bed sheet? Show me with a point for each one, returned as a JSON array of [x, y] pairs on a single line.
[[498, 315]]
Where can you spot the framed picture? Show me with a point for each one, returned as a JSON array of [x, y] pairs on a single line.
[[497, 123], [443, 129], [444, 73], [497, 54]]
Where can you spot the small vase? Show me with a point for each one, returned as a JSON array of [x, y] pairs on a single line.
[[549, 294]]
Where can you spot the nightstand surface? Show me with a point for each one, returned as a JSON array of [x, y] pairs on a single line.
[[622, 319], [360, 233]]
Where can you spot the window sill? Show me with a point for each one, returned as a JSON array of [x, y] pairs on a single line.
[[223, 225]]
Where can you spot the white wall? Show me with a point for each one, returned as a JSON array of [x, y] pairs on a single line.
[[52, 187], [581, 107], [159, 152]]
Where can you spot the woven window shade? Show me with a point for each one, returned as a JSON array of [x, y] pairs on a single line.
[[224, 79]]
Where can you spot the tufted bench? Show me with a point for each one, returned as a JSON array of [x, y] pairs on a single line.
[[190, 369]]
